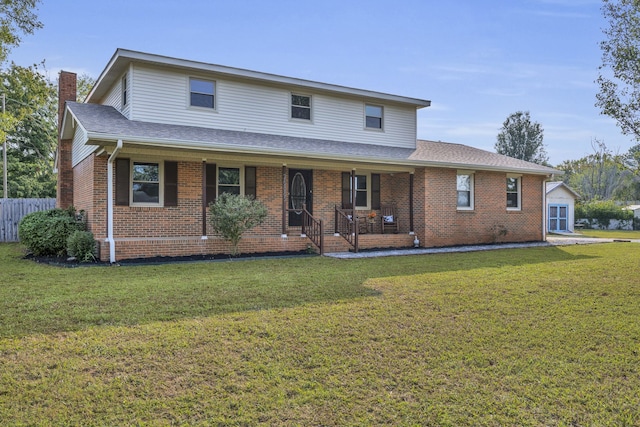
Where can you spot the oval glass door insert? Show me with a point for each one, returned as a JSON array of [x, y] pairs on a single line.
[[298, 193]]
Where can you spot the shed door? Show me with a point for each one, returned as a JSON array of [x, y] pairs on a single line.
[[558, 217]]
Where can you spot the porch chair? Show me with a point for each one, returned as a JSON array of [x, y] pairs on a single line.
[[358, 221], [389, 219]]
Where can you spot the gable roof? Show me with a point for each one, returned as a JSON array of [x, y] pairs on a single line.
[[122, 58], [551, 186], [105, 123]]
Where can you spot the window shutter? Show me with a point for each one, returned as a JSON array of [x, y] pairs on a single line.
[[375, 191], [122, 182], [346, 190], [210, 182], [171, 183], [250, 181]]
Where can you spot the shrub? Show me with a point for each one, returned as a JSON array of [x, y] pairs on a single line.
[[46, 232], [231, 215], [82, 246], [601, 212]]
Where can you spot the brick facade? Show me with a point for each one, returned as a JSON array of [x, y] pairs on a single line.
[[440, 223], [173, 231]]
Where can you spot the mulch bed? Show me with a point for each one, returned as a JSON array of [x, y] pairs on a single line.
[[71, 262]]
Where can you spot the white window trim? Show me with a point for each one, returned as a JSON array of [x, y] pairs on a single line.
[[368, 176], [230, 166], [297, 120], [381, 128], [472, 191], [215, 94], [519, 178], [160, 203]]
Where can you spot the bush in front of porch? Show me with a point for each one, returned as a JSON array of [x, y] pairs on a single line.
[[231, 215]]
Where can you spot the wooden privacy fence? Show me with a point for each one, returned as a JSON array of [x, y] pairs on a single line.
[[12, 211]]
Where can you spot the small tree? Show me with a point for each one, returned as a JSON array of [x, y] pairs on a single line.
[[231, 215], [522, 139]]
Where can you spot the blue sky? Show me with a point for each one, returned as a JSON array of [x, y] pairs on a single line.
[[478, 61]]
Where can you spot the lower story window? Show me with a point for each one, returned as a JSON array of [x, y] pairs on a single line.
[[146, 183], [366, 191], [513, 193], [229, 180], [361, 191], [464, 187]]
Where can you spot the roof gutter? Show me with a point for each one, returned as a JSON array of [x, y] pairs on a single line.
[[228, 148], [112, 243]]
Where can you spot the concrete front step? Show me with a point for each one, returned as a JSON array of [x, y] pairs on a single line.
[[368, 241]]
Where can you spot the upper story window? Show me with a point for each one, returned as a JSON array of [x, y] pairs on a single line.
[[124, 90], [145, 185], [300, 107], [464, 187], [514, 190], [202, 93], [373, 116]]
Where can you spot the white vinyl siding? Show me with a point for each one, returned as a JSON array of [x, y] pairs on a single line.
[[114, 97], [79, 151], [162, 96]]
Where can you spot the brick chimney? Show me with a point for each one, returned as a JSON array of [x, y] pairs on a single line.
[[66, 92]]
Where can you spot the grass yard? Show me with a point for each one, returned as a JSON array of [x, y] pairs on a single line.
[[611, 234], [527, 337]]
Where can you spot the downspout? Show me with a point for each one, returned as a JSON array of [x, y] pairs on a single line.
[[544, 208], [112, 243]]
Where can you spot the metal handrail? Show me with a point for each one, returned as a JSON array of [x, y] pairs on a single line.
[[311, 227], [346, 226]]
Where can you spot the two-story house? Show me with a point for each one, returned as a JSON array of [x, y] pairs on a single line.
[[158, 138]]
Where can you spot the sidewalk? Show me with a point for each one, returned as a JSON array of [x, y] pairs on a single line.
[[551, 241]]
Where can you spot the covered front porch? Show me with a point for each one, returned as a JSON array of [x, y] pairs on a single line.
[[307, 202], [383, 217]]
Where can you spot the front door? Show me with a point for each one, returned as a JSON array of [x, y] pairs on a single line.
[[300, 192], [558, 217]]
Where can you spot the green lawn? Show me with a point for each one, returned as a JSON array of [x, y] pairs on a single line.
[[611, 234], [527, 337]]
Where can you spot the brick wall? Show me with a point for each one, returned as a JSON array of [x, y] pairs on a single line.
[[394, 190], [179, 221], [83, 184], [149, 231], [440, 223]]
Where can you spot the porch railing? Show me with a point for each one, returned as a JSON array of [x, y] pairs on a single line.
[[346, 225], [311, 227]]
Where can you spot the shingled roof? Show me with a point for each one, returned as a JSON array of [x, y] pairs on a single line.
[[458, 155], [105, 123]]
